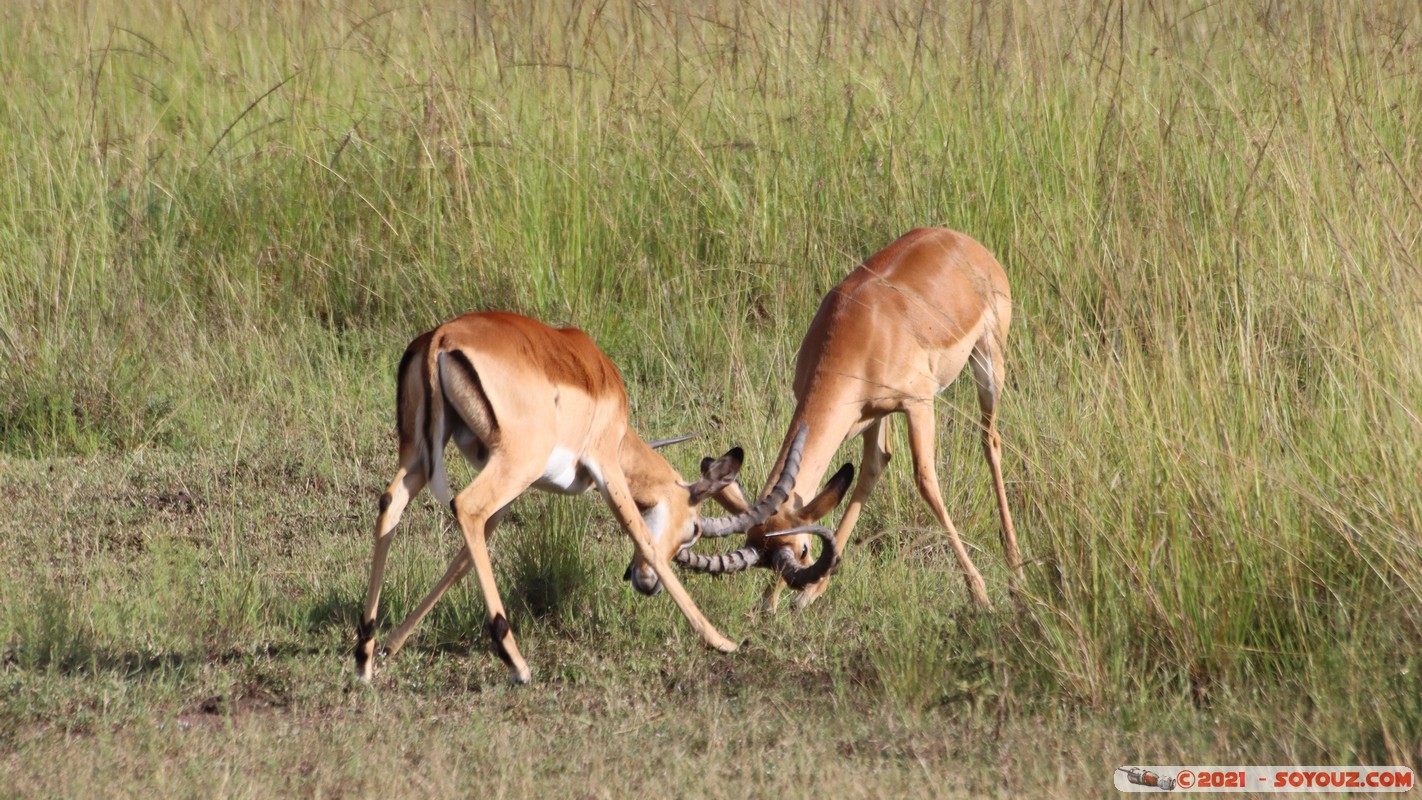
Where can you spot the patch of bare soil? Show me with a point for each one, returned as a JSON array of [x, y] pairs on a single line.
[[215, 710]]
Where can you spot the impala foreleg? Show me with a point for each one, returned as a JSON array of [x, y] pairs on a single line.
[[408, 482], [770, 601], [619, 498], [921, 432], [876, 457]]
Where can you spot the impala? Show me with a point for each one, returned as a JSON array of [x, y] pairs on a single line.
[[887, 339], [531, 406]]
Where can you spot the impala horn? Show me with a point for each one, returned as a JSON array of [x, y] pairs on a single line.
[[796, 576], [660, 443], [721, 563], [717, 527]]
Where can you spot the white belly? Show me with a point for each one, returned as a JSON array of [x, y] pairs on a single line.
[[564, 474]]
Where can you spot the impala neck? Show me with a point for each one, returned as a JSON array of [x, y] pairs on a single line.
[[831, 419], [645, 468]]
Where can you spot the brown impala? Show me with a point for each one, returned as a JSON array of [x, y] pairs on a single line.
[[887, 339], [531, 406]]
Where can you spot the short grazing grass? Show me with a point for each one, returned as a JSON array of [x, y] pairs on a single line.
[[220, 225]]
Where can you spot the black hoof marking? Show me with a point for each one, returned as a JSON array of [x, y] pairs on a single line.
[[498, 629], [365, 632], [385, 500]]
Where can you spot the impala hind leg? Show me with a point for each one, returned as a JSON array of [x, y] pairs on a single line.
[[459, 563], [459, 566], [409, 480], [988, 373], [876, 456], [922, 432], [497, 486]]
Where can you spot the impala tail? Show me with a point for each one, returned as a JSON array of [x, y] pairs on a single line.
[[457, 407], [434, 426], [412, 403]]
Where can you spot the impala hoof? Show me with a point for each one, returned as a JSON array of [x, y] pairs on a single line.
[[805, 600]]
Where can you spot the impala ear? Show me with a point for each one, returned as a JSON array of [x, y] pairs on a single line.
[[731, 497], [830, 496], [716, 475]]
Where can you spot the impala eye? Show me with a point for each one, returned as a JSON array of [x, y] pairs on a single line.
[[804, 550]]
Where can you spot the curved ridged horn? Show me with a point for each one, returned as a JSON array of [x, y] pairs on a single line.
[[716, 527], [796, 576], [660, 443], [721, 563]]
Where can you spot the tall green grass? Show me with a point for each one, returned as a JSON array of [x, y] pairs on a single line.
[[219, 226]]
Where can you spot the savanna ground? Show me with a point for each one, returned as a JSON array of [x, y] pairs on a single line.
[[219, 228]]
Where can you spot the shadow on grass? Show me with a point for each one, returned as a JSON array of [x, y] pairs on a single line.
[[334, 610], [57, 638], [451, 627], [543, 578], [82, 656]]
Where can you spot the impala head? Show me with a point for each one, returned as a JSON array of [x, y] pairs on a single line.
[[778, 536], [782, 540], [785, 537], [674, 520], [676, 526]]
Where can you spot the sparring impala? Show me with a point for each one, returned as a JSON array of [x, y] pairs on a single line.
[[531, 406], [887, 339]]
